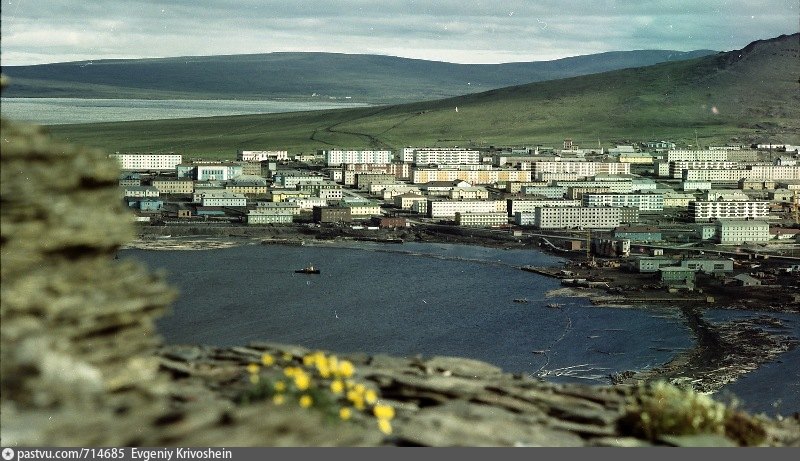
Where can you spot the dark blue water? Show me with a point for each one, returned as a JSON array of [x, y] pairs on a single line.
[[410, 299]]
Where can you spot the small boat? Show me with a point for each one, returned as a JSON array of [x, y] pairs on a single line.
[[555, 305], [310, 269], [521, 300]]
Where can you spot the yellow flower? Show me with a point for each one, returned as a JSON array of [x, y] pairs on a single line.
[[290, 371], [286, 356], [302, 381], [324, 372], [278, 399], [385, 426], [308, 360], [267, 360], [337, 386], [345, 413], [356, 398], [370, 396], [306, 401], [360, 388], [253, 368], [383, 412], [333, 363], [346, 368], [280, 386], [254, 379]]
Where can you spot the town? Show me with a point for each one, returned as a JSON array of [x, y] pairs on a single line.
[[709, 209]]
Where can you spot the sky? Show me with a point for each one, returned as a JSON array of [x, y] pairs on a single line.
[[462, 31]]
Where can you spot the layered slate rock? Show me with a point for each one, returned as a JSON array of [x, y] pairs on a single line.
[[77, 326]]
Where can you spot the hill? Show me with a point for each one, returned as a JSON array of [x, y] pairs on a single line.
[[363, 78], [742, 96]]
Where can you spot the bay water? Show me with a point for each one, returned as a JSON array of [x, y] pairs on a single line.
[[57, 111], [434, 299]]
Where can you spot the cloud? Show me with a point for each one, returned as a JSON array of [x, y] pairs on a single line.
[[447, 30]]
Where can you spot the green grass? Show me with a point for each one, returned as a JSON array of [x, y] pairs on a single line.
[[754, 92]]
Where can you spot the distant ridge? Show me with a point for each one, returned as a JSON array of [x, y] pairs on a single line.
[[742, 96], [362, 78]]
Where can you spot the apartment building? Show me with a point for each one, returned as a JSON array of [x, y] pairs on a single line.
[[271, 213], [529, 206], [695, 155], [481, 219], [173, 186], [576, 217], [443, 208], [337, 157], [474, 177], [262, 155], [579, 169], [441, 156], [737, 232], [147, 162], [707, 211], [644, 202]]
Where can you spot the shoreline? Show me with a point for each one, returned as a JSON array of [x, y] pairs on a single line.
[[721, 352]]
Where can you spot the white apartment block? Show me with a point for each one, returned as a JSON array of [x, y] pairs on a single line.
[[737, 232], [643, 202], [261, 155], [546, 191], [734, 195], [676, 168], [529, 206], [466, 193], [209, 171], [552, 177], [292, 181], [706, 211], [577, 217], [775, 172], [696, 155], [271, 214], [285, 207], [223, 199], [581, 169], [441, 156], [474, 177], [481, 219], [140, 191], [338, 157], [762, 172], [618, 187], [148, 162], [696, 185], [307, 203], [516, 187], [448, 208], [715, 176]]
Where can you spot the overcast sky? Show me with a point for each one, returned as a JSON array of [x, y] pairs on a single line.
[[465, 31]]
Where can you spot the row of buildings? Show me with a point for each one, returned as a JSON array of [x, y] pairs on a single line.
[[470, 187]]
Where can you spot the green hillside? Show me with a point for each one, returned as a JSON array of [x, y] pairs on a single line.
[[362, 78], [741, 96]]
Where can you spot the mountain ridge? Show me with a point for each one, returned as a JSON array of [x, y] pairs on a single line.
[[743, 96], [375, 79]]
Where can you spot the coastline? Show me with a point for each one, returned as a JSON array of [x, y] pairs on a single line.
[[721, 352]]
